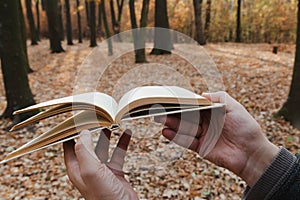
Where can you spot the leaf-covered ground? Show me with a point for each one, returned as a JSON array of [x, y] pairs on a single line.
[[156, 168]]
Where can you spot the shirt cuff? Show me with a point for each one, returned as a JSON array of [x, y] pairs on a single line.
[[273, 177]]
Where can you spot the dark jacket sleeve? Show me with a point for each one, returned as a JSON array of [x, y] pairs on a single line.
[[281, 180]]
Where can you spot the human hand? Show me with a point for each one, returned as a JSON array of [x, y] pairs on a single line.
[[90, 171], [242, 148]]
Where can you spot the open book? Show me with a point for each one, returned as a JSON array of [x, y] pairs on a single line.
[[99, 110]]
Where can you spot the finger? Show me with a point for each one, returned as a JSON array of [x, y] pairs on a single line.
[[102, 146], [94, 173], [72, 166], [182, 126], [182, 140], [222, 97], [117, 159]]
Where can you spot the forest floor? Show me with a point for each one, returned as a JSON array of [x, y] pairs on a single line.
[[156, 168]]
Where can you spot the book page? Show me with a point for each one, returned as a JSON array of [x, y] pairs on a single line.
[[97, 99], [69, 127], [158, 95]]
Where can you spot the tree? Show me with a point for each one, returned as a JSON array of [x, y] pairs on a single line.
[[79, 21], [13, 60], [116, 21], [99, 25], [87, 12], [207, 19], [53, 26], [68, 22], [92, 23], [238, 22], [290, 109], [107, 32], [198, 22], [139, 34], [38, 23], [33, 31], [162, 37], [60, 20], [24, 37]]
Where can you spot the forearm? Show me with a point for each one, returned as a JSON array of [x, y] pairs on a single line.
[[275, 177]]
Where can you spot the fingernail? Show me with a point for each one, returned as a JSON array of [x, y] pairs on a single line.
[[128, 132]]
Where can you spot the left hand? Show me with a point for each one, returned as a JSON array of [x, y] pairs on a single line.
[[90, 171]]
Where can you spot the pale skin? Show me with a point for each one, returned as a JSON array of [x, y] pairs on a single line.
[[242, 148]]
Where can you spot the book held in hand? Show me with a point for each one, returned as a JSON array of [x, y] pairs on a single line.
[[99, 110]]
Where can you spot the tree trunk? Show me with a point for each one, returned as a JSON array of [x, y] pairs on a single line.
[[33, 36], [43, 5], [207, 19], [38, 23], [238, 22], [79, 22], [109, 42], [99, 25], [60, 20], [13, 60], [198, 22], [53, 26], [162, 37], [139, 34], [290, 109], [23, 35], [92, 17], [87, 12], [68, 22], [116, 21]]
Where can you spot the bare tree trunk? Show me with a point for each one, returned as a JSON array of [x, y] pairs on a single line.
[[38, 23], [68, 22], [33, 36], [53, 26], [198, 22], [238, 22], [162, 37], [13, 60], [290, 109], [139, 34], [60, 20], [207, 19], [92, 21], [79, 22], [109, 42]]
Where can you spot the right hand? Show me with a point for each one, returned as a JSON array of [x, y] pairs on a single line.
[[242, 148]]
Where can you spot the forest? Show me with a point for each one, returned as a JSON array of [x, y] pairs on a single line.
[[56, 48]]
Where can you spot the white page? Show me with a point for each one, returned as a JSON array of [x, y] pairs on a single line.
[[101, 100], [156, 92]]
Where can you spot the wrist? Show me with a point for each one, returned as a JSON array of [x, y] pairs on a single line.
[[258, 162]]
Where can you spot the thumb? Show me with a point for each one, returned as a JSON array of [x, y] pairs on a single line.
[[216, 97]]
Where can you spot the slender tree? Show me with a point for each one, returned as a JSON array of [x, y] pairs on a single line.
[[290, 109], [13, 60], [53, 26], [38, 23], [60, 20], [116, 20], [87, 12], [238, 22], [92, 22], [24, 36], [207, 19], [139, 34], [107, 32], [162, 37], [30, 19], [79, 21], [100, 18], [198, 22], [68, 23]]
